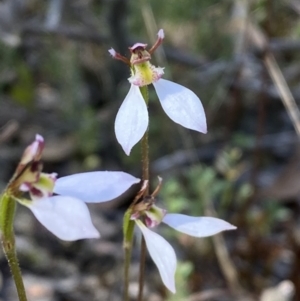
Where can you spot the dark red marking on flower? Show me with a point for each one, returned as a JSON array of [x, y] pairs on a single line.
[[36, 192], [36, 166]]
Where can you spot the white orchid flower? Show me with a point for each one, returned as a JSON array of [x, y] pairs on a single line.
[[162, 252], [147, 215], [65, 215], [181, 104]]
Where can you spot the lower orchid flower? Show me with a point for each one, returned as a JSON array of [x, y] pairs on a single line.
[[147, 215], [180, 104], [65, 215]]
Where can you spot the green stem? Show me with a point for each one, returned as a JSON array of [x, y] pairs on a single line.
[[7, 213], [127, 245], [145, 162]]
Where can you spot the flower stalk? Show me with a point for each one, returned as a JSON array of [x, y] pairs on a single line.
[[145, 163], [131, 126], [145, 143], [128, 224]]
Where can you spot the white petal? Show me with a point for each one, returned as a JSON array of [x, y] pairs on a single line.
[[67, 218], [132, 119], [161, 34], [112, 52], [96, 186], [162, 254], [181, 104], [196, 226]]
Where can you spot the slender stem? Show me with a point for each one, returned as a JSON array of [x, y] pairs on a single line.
[[7, 213], [145, 162], [145, 159], [128, 225], [128, 228], [128, 235], [11, 256], [145, 144]]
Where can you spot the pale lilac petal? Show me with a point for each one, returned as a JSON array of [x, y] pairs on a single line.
[[95, 186], [181, 104], [67, 218], [161, 34], [196, 226], [39, 138], [138, 45], [162, 254], [132, 119], [112, 52], [34, 151]]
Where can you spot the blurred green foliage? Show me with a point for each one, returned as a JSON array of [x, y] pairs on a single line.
[[202, 21], [183, 271], [17, 74], [203, 184], [63, 69], [200, 188], [23, 89]]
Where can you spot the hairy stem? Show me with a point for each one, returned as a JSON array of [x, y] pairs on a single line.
[[145, 162], [11, 256], [145, 144], [7, 213]]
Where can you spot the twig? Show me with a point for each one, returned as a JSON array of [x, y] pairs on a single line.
[[152, 29], [81, 34], [260, 41], [209, 295], [180, 158], [283, 89], [71, 32], [8, 130]]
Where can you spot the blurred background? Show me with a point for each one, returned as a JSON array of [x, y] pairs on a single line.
[[242, 59]]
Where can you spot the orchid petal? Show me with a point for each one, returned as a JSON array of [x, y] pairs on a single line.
[[162, 254], [67, 218], [112, 52], [181, 104], [33, 152], [161, 34], [196, 226], [96, 186], [132, 119]]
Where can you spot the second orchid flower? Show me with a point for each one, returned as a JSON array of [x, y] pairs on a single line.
[[65, 215]]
